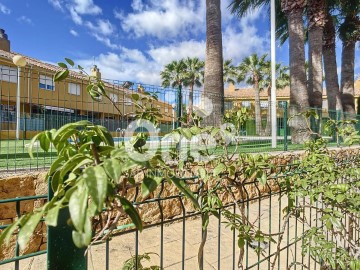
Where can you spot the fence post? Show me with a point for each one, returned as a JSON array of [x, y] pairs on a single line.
[[61, 251], [179, 104], [285, 126]]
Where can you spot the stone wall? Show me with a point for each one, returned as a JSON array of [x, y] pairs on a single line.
[[30, 184]]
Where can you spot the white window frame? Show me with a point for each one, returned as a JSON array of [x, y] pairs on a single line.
[[246, 104], [46, 83], [74, 89], [8, 74], [264, 104]]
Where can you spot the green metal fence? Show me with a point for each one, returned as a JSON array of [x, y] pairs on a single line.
[[173, 232], [45, 105]]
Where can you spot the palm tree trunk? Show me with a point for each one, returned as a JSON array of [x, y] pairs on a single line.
[[317, 19], [330, 67], [213, 77], [347, 77], [316, 74], [299, 99], [257, 109]]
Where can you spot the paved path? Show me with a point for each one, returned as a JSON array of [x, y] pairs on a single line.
[[123, 247]]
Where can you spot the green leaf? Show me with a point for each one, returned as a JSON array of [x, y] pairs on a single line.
[[83, 239], [61, 75], [184, 189], [28, 228], [186, 133], [219, 169], [63, 65], [70, 62], [6, 234], [202, 173], [44, 142], [77, 206], [131, 211], [32, 142], [263, 178], [96, 181], [135, 97], [113, 169], [149, 184], [52, 215]]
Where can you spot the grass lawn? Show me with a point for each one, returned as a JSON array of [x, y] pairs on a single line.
[[14, 154]]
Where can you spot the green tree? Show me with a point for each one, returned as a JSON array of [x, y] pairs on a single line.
[[252, 71], [230, 72], [193, 74], [213, 77], [174, 75]]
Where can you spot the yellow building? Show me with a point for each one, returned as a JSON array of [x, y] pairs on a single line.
[[45, 104], [244, 97]]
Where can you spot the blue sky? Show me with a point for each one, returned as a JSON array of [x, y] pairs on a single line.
[[128, 39]]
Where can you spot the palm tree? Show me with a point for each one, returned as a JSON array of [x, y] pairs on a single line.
[[349, 33], [330, 65], [282, 81], [316, 14], [213, 77], [230, 72], [193, 77], [174, 75], [252, 70], [299, 99]]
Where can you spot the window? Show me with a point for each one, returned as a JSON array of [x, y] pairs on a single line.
[[264, 104], [128, 101], [74, 89], [8, 74], [228, 105], [46, 83], [245, 104], [114, 97], [166, 110], [282, 104]]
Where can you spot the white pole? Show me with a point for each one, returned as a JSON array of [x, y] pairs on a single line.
[[273, 77], [18, 105]]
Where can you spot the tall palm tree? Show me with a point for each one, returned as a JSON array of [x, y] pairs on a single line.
[[174, 75], [252, 70], [282, 81], [316, 14], [213, 77], [330, 63], [193, 77], [230, 72], [349, 33], [299, 99]]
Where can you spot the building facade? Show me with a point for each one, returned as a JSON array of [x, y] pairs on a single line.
[[45, 104]]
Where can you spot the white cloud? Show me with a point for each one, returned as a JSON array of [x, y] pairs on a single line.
[[74, 33], [85, 7], [57, 4], [102, 27], [165, 54], [163, 18], [24, 19], [75, 16], [4, 9], [106, 41]]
